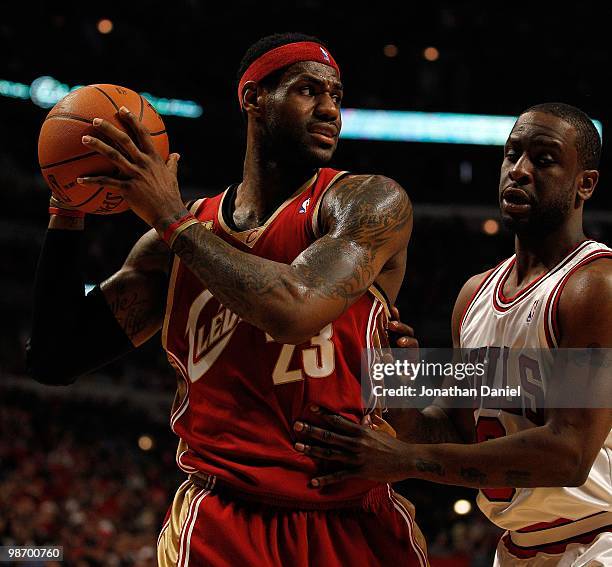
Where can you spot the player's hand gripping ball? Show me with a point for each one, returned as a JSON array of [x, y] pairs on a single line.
[[63, 157]]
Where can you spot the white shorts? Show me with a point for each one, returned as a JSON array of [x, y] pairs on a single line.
[[597, 553]]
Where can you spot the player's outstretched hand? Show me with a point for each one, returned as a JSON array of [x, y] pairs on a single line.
[[368, 453], [147, 183]]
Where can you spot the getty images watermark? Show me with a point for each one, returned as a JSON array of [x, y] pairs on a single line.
[[525, 380], [459, 371]]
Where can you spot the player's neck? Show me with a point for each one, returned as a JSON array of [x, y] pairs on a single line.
[[267, 183], [536, 253]]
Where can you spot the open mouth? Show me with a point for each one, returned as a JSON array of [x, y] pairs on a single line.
[[516, 196], [515, 200]]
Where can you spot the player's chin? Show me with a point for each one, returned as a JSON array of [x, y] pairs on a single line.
[[515, 223], [321, 154]]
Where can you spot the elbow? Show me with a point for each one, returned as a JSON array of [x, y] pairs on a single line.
[[571, 456], [292, 320], [580, 478], [292, 330], [290, 337], [575, 469], [578, 474]]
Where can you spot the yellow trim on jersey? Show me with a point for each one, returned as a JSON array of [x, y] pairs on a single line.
[[194, 207], [172, 282], [378, 295], [169, 301], [250, 236], [315, 214], [174, 541]]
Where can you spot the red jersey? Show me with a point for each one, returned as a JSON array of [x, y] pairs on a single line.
[[239, 392]]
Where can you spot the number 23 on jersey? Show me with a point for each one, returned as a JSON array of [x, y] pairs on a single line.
[[316, 360]]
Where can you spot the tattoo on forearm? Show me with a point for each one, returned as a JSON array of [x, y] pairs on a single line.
[[416, 426], [130, 310], [237, 279], [430, 467], [367, 214], [473, 474], [435, 431], [517, 479]]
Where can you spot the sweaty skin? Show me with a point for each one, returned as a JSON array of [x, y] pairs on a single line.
[[541, 166]]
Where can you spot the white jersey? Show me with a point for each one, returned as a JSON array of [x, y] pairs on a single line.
[[529, 321]]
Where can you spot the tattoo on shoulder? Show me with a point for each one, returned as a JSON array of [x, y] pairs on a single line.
[[363, 215], [368, 209]]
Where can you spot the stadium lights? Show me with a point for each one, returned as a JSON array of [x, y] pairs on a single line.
[[45, 91], [462, 507], [431, 127], [490, 227], [391, 50], [105, 26], [431, 54], [357, 124], [145, 443]]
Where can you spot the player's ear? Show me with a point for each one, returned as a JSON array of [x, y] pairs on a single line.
[[250, 100], [586, 184]]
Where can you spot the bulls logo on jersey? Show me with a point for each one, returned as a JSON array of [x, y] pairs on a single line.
[[208, 333]]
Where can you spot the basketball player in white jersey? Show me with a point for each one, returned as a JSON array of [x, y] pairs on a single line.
[[546, 480]]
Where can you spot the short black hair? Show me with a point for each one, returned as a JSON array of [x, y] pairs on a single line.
[[588, 142], [268, 43]]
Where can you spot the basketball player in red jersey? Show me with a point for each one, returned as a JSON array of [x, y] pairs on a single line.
[[546, 481], [276, 286]]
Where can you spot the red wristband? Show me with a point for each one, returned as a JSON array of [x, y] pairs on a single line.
[[66, 213], [177, 227]]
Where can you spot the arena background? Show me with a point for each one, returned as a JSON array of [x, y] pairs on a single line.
[[91, 467]]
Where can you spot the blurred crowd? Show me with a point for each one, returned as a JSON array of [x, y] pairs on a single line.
[[71, 474]]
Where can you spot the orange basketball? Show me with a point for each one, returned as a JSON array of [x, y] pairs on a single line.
[[63, 157]]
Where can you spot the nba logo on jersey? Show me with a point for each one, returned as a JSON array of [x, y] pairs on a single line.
[[304, 206], [325, 54], [532, 311]]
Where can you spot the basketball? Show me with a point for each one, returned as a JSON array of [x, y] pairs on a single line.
[[63, 157]]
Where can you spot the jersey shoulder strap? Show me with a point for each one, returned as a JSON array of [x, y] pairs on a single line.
[[325, 179]]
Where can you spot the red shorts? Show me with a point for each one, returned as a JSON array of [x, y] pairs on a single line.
[[210, 528]]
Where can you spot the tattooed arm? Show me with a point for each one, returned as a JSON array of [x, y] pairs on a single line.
[[136, 294], [72, 333], [560, 452], [368, 223], [367, 220]]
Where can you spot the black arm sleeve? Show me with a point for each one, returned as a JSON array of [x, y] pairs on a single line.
[[72, 333]]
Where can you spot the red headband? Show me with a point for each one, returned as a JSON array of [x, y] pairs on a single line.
[[284, 56]]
